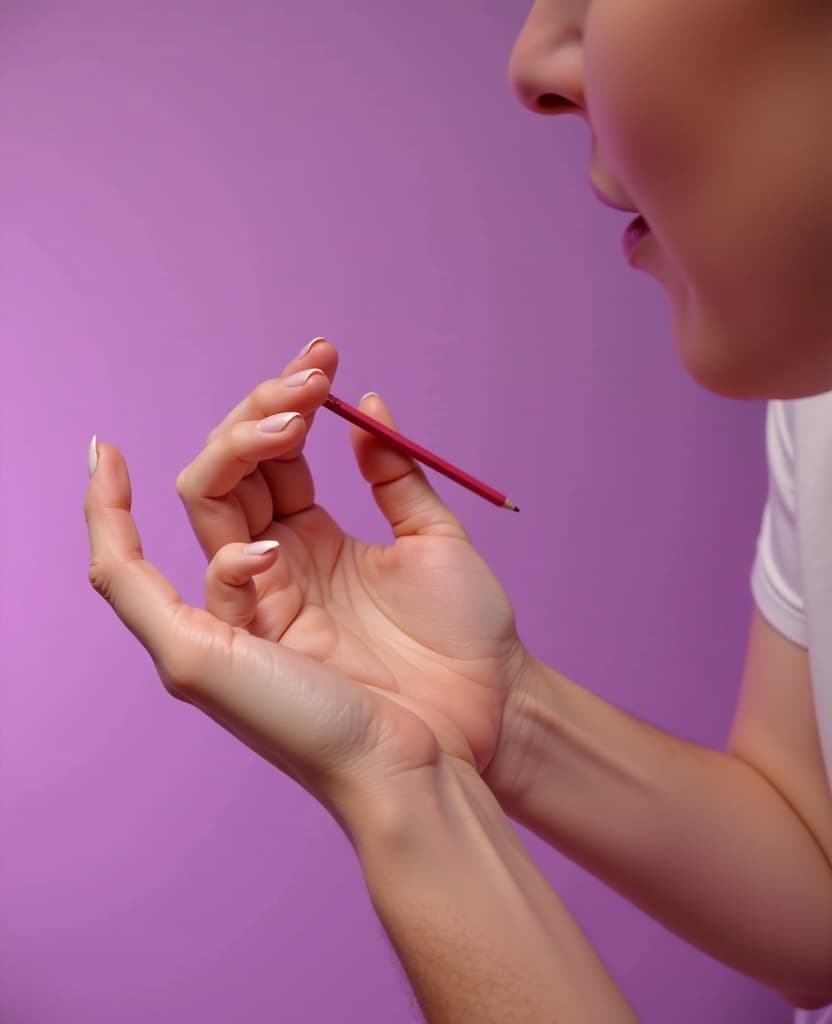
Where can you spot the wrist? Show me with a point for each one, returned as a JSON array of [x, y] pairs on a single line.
[[479, 930], [391, 816], [380, 813], [417, 818], [436, 831], [511, 769]]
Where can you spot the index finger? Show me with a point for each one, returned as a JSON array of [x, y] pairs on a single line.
[[258, 403]]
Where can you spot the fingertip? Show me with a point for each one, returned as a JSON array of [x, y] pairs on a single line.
[[92, 455], [236, 563], [230, 591], [109, 478], [307, 348], [113, 536], [374, 405], [324, 352], [377, 461], [401, 487], [261, 550]]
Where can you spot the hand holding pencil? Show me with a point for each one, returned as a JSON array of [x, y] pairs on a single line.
[[422, 620], [407, 447]]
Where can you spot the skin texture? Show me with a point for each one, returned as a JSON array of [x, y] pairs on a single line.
[[361, 661], [710, 117], [368, 610], [366, 672]]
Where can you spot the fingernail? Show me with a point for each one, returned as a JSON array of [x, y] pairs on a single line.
[[368, 395], [261, 547], [305, 350], [92, 455], [297, 380], [274, 424]]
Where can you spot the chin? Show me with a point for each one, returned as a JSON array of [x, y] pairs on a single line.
[[753, 356], [737, 375], [716, 366], [729, 363], [736, 387]]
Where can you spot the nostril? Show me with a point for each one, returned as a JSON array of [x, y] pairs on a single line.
[[550, 103]]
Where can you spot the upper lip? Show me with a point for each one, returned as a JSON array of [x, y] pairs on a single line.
[[607, 201]]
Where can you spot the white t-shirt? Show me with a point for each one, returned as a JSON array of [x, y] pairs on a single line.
[[791, 579]]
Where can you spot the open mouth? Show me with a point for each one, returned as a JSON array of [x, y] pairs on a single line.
[[634, 233]]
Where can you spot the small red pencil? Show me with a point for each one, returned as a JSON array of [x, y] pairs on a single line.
[[415, 451]]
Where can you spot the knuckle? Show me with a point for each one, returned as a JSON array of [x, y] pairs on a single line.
[[182, 479], [227, 582], [238, 445], [172, 684], [261, 394], [177, 679], [236, 437], [100, 578], [213, 583], [180, 662], [217, 559], [178, 672], [172, 691]]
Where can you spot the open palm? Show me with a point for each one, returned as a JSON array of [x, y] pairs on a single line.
[[421, 621]]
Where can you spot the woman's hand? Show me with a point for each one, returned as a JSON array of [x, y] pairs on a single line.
[[421, 621], [342, 663]]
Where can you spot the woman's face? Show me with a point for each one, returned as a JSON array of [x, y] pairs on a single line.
[[713, 119]]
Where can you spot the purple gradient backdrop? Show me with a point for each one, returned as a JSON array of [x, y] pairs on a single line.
[[188, 193]]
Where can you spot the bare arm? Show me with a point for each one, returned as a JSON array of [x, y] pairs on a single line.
[[481, 934], [732, 851]]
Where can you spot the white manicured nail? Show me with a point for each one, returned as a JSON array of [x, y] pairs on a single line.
[[280, 421], [369, 393], [297, 380], [92, 455], [261, 547], [305, 350]]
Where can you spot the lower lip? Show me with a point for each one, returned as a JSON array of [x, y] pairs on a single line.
[[634, 234]]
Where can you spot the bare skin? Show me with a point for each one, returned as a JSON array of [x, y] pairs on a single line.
[[708, 117], [392, 757], [369, 671]]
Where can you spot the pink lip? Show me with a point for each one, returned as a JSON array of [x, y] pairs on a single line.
[[634, 233]]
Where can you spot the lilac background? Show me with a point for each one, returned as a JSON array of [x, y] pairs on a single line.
[[188, 193]]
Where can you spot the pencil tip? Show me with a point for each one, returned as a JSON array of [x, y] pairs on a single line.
[[511, 505]]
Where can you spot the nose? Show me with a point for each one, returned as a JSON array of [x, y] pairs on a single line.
[[546, 68]]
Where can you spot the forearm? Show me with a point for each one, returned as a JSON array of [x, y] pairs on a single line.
[[696, 838], [479, 931]]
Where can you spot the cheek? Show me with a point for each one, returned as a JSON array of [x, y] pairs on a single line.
[[707, 113], [650, 110], [644, 95], [672, 91]]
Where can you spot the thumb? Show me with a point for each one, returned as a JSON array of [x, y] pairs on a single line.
[[140, 595], [401, 488], [303, 716]]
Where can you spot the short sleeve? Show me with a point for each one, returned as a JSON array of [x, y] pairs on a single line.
[[775, 575]]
